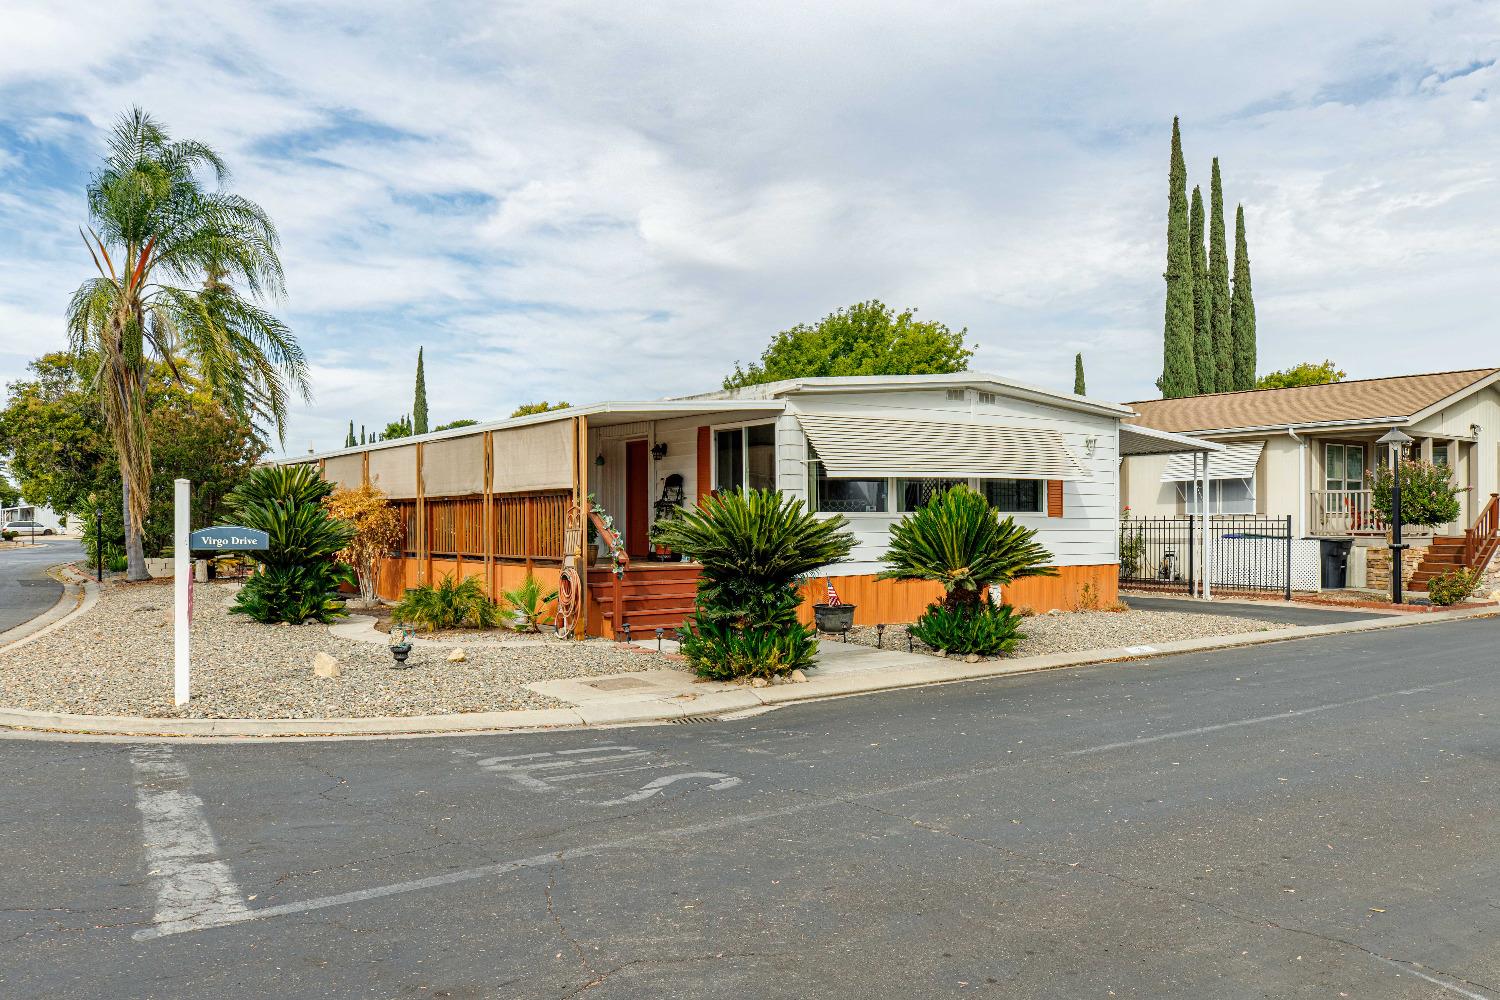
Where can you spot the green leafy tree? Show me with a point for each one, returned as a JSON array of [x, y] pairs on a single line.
[[1428, 496], [528, 409], [1307, 373], [299, 576], [455, 424], [1179, 371], [63, 455], [1203, 343], [1242, 308], [754, 547], [1079, 387], [419, 402], [9, 495], [960, 541], [398, 428], [869, 338], [169, 253], [1218, 286]]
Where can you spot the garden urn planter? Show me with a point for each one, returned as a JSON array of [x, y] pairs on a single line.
[[833, 617]]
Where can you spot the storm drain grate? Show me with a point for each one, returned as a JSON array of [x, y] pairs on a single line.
[[691, 720]]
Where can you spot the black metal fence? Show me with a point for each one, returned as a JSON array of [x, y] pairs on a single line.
[[1248, 552]]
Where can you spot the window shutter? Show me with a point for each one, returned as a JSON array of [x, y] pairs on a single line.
[[705, 464], [1054, 498]]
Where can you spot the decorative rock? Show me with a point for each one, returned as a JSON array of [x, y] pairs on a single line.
[[458, 655], [797, 677], [972, 658], [1494, 595], [760, 682], [326, 665]]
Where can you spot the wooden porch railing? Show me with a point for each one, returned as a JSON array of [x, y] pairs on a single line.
[[1345, 512], [1479, 541], [621, 560]]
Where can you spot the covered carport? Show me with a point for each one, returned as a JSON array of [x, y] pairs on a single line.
[[1136, 440]]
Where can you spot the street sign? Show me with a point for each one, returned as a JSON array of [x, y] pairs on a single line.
[[228, 538]]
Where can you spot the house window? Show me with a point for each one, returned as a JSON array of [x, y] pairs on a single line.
[[745, 458], [1015, 496], [1344, 467], [847, 496], [1440, 454], [1225, 496], [915, 493]]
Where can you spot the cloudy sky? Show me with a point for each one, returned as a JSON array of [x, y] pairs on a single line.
[[594, 201]]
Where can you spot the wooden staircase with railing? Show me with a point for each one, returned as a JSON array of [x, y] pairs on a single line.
[[648, 596], [1472, 550]]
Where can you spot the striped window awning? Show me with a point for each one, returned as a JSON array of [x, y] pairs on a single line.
[[1236, 461], [863, 447]]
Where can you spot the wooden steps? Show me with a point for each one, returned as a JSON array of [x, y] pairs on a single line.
[[1445, 555], [650, 596]]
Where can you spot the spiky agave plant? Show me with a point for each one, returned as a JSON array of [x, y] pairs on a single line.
[[299, 578], [754, 547]]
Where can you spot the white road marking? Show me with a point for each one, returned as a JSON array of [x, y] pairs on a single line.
[[654, 837], [521, 768], [1289, 714], [655, 787], [1443, 983], [194, 889]]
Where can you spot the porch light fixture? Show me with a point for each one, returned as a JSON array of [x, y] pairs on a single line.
[[1396, 440], [599, 459], [659, 450], [1091, 445]]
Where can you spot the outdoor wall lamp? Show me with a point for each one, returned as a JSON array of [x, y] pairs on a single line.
[[659, 450], [1090, 445], [599, 459]]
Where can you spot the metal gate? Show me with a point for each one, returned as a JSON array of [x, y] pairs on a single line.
[[1248, 553]]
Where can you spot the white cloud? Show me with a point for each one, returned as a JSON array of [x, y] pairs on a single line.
[[587, 200]]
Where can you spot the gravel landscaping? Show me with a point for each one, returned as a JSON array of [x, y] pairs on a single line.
[[1076, 631], [117, 660]]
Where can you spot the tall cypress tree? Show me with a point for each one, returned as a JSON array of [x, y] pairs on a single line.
[[1218, 286], [1078, 389], [1179, 375], [349, 438], [419, 405], [1242, 314], [1203, 345], [362, 434]]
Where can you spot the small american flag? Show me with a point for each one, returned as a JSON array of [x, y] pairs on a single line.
[[833, 595]]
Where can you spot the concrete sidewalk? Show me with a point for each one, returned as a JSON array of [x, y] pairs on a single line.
[[663, 696]]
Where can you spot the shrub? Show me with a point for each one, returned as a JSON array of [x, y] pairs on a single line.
[[984, 628], [1132, 548], [960, 541], [8, 536], [529, 605], [299, 578], [378, 528], [116, 562], [1088, 598], [754, 548], [450, 604], [1428, 496], [1454, 586]]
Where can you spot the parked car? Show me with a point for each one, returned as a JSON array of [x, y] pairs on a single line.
[[29, 528]]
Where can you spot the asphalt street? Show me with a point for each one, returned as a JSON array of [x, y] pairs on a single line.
[[1263, 610], [1317, 818], [25, 588]]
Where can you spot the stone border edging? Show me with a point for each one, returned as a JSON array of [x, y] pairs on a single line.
[[718, 702]]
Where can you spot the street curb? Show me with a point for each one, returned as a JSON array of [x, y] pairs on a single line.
[[710, 703], [79, 595]]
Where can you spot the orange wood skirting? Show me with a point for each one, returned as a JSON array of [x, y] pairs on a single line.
[[897, 601]]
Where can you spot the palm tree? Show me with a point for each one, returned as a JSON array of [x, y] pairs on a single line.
[[170, 253]]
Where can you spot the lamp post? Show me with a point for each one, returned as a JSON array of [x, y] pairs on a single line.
[[1396, 440]]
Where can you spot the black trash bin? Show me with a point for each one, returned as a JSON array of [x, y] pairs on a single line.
[[1335, 552]]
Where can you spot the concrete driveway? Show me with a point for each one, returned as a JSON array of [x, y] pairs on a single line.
[[25, 589]]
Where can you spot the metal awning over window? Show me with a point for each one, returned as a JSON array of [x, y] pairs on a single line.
[[1236, 461], [860, 447]]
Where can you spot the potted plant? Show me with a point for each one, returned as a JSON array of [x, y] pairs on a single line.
[[833, 617]]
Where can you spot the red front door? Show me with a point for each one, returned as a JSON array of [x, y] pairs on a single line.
[[637, 498]]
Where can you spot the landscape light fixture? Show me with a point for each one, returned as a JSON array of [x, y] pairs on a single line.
[[1397, 440]]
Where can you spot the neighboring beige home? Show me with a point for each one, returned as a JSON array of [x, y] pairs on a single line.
[[1305, 452]]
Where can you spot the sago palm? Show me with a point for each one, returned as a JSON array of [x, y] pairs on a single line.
[[171, 255], [958, 540]]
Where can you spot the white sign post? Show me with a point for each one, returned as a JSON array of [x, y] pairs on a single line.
[[182, 582]]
